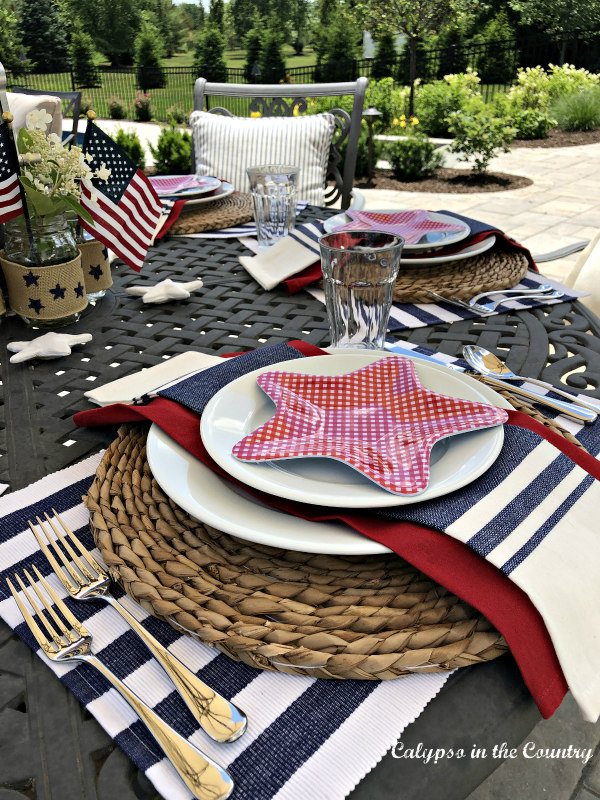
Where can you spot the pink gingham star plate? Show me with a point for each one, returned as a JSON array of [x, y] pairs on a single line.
[[379, 419], [419, 228]]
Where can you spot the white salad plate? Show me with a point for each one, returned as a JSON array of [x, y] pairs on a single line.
[[241, 407], [225, 190]]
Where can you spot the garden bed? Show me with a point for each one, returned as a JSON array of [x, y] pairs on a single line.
[[558, 138], [452, 181]]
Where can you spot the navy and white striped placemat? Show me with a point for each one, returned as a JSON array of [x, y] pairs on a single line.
[[306, 737], [417, 315]]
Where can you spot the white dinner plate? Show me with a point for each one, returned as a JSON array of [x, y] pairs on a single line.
[[241, 407], [203, 184], [225, 190], [467, 252], [333, 223]]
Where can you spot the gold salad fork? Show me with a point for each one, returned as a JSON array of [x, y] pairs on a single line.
[[219, 718], [71, 641]]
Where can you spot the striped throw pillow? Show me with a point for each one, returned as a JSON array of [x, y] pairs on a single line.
[[225, 146]]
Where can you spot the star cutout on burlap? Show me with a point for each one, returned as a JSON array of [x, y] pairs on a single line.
[[96, 272], [50, 345], [379, 419], [58, 293], [165, 290], [79, 289], [35, 305], [31, 279]]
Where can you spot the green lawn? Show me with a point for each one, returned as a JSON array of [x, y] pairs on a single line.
[[237, 58]]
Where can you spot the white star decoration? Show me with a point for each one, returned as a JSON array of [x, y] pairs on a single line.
[[50, 345], [165, 290]]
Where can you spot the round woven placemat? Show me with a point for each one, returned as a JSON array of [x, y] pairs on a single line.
[[232, 210], [496, 269], [367, 617]]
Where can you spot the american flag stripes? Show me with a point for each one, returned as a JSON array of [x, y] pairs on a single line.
[[11, 204], [125, 208]]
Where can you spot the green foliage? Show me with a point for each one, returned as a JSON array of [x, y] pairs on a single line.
[[148, 53], [498, 63], [130, 143], [10, 41], [173, 152], [338, 46], [362, 154], [413, 157], [556, 16], [43, 35], [216, 15], [142, 107], [270, 59], [567, 79], [529, 123], [478, 136], [112, 24], [385, 98], [208, 56], [578, 112], [177, 115], [253, 45], [451, 42], [436, 101], [82, 52], [384, 63], [116, 108]]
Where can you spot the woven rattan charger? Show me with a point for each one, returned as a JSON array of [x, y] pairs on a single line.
[[360, 617], [232, 210]]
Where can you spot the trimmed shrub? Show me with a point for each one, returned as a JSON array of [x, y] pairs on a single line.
[[436, 101], [176, 115], [82, 52], [173, 152], [142, 107], [148, 53], [208, 55], [413, 157], [116, 108], [270, 59], [130, 143], [478, 136]]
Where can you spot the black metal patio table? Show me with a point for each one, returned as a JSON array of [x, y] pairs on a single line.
[[49, 746]]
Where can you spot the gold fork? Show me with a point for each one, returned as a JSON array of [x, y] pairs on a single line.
[[203, 776], [219, 718]]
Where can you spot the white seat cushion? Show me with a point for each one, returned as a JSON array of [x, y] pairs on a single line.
[[225, 146], [20, 105], [585, 275]]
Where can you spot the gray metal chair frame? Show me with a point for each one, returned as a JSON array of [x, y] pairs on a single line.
[[73, 104], [285, 100]]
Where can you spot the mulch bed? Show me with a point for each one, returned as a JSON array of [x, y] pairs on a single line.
[[558, 138], [453, 181]]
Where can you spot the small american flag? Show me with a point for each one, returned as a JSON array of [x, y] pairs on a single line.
[[11, 204], [127, 209]]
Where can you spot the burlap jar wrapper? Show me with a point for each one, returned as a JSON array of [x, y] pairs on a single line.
[[45, 293], [2, 304], [95, 266]]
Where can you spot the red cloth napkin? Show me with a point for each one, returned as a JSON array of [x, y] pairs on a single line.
[[171, 219], [446, 560]]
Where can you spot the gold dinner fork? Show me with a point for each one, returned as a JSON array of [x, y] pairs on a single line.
[[72, 642], [219, 718]]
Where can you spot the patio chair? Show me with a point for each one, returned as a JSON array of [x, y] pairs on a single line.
[[289, 100], [73, 104]]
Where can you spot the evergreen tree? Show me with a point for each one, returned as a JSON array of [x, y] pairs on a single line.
[[253, 44], [497, 63], [208, 56], [43, 35], [148, 53], [339, 46], [451, 47], [271, 60], [216, 15], [82, 53], [384, 63]]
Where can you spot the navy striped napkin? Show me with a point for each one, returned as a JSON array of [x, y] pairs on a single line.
[[305, 738]]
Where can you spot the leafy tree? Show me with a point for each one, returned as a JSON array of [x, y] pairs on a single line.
[[216, 14], [557, 16], [43, 35], [195, 13], [148, 53], [11, 46], [168, 23], [384, 63], [82, 52], [244, 16], [208, 56], [253, 44], [413, 18], [271, 60]]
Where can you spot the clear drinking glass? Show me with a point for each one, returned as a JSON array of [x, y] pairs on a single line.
[[273, 191], [359, 271]]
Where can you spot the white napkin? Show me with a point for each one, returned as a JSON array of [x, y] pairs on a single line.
[[289, 256], [125, 390]]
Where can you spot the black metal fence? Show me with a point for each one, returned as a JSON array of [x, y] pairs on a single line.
[[169, 87]]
